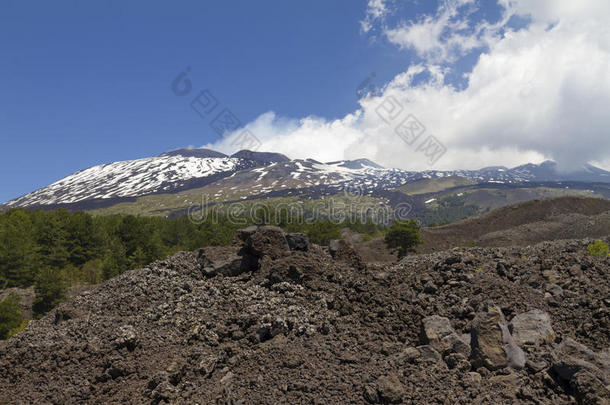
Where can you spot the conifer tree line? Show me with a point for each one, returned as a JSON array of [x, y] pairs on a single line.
[[85, 249], [53, 250]]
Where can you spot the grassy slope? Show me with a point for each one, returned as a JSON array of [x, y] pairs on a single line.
[[164, 204], [425, 186]]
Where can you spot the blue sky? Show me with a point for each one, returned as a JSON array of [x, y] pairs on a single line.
[[89, 82], [85, 83]]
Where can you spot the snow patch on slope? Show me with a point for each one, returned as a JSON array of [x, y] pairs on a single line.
[[130, 178]]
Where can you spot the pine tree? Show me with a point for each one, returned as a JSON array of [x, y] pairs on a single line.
[[51, 286], [81, 241], [10, 315], [52, 238], [18, 253], [403, 235], [115, 258]]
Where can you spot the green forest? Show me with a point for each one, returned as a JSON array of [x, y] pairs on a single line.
[[450, 209], [53, 250]]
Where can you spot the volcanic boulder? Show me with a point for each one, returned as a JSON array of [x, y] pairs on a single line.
[[492, 344], [227, 261], [438, 334], [243, 234], [532, 328], [585, 371], [390, 389], [341, 250], [268, 241], [298, 241]]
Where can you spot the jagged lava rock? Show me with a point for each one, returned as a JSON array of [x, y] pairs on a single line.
[[268, 241], [390, 389], [532, 328], [306, 328], [587, 372], [492, 344], [298, 241]]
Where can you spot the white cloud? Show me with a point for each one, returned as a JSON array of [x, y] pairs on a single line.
[[376, 10], [549, 11], [309, 137], [441, 37], [541, 92]]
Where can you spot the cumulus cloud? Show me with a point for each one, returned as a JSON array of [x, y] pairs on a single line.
[[541, 92], [310, 137]]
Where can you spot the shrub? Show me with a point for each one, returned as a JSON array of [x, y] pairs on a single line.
[[93, 271], [598, 249], [437, 224], [20, 328], [50, 287], [10, 316], [403, 235], [322, 232]]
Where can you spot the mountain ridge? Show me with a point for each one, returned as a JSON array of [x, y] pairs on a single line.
[[263, 172]]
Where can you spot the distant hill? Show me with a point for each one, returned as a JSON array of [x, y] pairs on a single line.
[[520, 224], [525, 223], [424, 186]]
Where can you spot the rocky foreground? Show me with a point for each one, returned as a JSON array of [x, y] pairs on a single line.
[[274, 319]]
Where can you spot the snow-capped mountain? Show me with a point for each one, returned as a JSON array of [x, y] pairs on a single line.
[[260, 173], [167, 172], [365, 177]]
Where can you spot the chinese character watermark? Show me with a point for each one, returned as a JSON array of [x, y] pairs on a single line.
[[410, 129], [367, 87]]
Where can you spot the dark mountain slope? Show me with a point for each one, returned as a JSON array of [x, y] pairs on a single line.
[[198, 153], [525, 223], [261, 157]]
